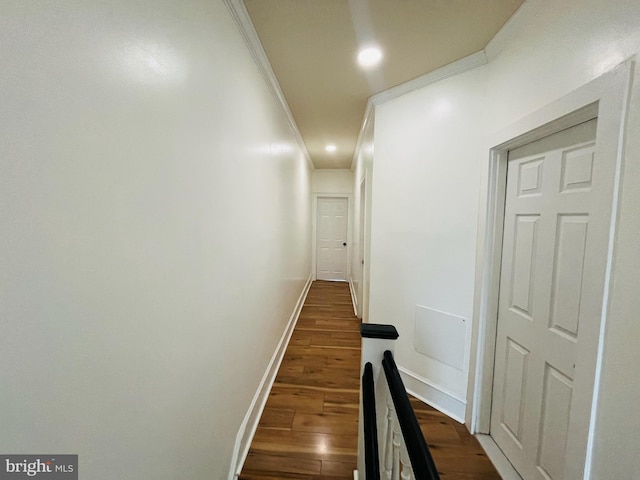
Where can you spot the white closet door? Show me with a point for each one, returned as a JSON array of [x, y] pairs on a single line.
[[557, 217]]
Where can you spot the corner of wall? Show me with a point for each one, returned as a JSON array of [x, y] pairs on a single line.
[[508, 31]]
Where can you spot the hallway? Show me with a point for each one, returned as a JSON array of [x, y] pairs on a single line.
[[159, 204], [309, 428]]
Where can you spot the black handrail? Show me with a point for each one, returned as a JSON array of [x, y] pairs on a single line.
[[423, 466], [372, 461], [376, 330]]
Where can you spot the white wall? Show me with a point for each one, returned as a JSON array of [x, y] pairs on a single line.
[[332, 181], [155, 236], [423, 231], [428, 171]]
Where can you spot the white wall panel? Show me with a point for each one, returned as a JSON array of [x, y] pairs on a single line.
[[155, 239], [568, 273], [524, 258], [440, 335], [514, 384], [554, 423]]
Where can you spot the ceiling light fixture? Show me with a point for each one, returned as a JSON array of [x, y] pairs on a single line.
[[330, 148], [369, 57]]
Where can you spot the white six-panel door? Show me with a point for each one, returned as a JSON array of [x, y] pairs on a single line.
[[331, 261], [557, 216]]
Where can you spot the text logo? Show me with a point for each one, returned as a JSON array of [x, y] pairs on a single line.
[[45, 467]]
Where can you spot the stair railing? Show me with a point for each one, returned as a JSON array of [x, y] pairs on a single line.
[[391, 444]]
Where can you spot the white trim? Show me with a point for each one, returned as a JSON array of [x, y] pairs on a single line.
[[243, 22], [605, 97], [499, 460], [354, 299], [431, 394], [509, 30], [368, 116], [250, 422], [465, 64], [314, 230], [365, 225], [609, 269]]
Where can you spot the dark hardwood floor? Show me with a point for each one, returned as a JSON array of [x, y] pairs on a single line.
[[309, 428]]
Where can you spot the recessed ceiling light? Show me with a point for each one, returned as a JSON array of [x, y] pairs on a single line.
[[369, 57], [330, 148]]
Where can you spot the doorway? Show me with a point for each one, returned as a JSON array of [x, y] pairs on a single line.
[[605, 99], [557, 216], [331, 241]]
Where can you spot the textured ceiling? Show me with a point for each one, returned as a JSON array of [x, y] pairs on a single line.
[[312, 47]]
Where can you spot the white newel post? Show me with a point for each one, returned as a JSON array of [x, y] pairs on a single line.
[[376, 339]]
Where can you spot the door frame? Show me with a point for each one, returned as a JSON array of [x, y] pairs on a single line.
[[362, 249], [314, 230], [606, 98]]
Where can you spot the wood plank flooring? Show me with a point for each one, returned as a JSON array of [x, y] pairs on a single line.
[[309, 428]]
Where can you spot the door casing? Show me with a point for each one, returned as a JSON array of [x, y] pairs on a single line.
[[361, 248], [606, 98]]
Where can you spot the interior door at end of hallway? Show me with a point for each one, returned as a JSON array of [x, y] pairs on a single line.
[[331, 261]]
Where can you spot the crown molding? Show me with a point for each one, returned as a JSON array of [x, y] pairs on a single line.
[[465, 64], [494, 47], [245, 26], [508, 31]]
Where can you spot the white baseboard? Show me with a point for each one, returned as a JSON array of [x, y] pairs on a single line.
[[354, 298], [503, 466], [434, 395], [252, 418]]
